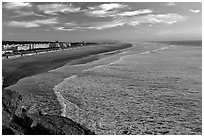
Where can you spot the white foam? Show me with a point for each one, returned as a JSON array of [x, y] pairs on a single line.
[[60, 98], [145, 52], [121, 58], [123, 52], [94, 68], [93, 61], [100, 59], [100, 66]]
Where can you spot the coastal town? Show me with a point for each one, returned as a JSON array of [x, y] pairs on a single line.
[[13, 49]]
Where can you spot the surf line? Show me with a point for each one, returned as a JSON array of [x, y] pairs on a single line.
[[146, 52], [163, 48], [98, 59], [60, 98], [124, 52], [106, 64]]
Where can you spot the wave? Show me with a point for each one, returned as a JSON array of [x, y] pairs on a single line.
[[120, 52], [65, 104], [57, 90], [123, 57]]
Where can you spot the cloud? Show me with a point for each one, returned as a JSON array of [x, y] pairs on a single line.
[[26, 13], [71, 23], [64, 29], [16, 5], [114, 10], [170, 4], [100, 13], [104, 25], [108, 7], [55, 8], [134, 13], [32, 24], [23, 24], [47, 21], [155, 19], [150, 19], [117, 14], [129, 20], [194, 11], [104, 10], [91, 25]]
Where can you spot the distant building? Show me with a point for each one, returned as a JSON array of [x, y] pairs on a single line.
[[14, 49]]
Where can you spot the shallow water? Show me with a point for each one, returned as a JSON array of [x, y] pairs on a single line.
[[133, 92], [103, 97]]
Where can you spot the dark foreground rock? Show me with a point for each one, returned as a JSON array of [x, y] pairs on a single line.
[[35, 124], [10, 103]]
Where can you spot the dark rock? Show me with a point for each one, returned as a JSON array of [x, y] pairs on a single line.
[[37, 123], [10, 103], [11, 131], [59, 125], [164, 132], [10, 100], [7, 131], [49, 125]]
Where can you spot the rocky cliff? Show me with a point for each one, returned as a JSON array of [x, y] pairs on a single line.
[[15, 123]]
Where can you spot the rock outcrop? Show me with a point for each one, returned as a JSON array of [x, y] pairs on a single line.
[[36, 123]]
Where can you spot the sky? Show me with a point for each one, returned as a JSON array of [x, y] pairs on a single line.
[[89, 21]]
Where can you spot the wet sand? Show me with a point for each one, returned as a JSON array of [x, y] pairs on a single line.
[[40, 78], [18, 68]]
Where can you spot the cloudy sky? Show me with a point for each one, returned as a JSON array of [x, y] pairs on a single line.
[[101, 21]]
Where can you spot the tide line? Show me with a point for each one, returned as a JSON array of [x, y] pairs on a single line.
[[101, 59], [121, 58], [60, 98]]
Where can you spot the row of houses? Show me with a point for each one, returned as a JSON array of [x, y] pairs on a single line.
[[20, 47], [12, 48], [9, 49]]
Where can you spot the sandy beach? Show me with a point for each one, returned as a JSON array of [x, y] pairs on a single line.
[[102, 68], [18, 68], [146, 89], [153, 92], [35, 80]]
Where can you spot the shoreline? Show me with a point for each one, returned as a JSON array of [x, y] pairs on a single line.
[[42, 85], [15, 69], [104, 55], [60, 97], [61, 87], [156, 85], [94, 58], [107, 55]]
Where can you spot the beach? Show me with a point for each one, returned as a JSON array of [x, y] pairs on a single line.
[[30, 76], [150, 88], [153, 92], [18, 68]]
